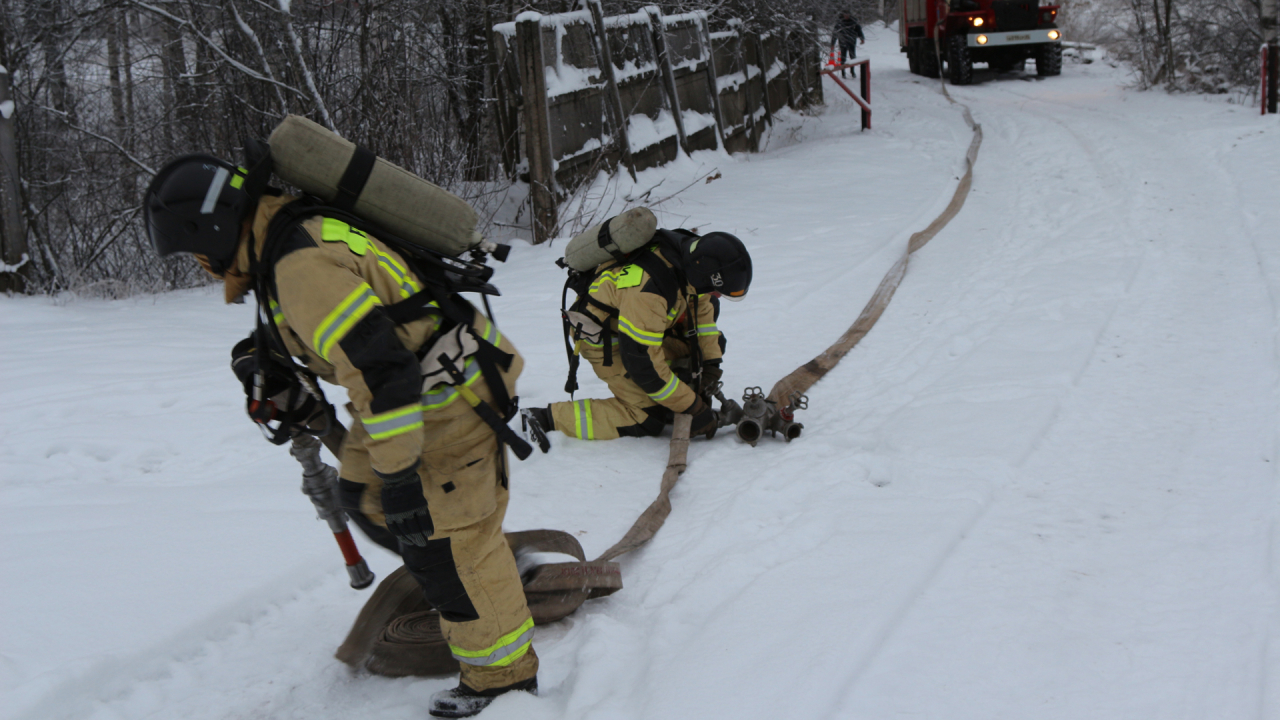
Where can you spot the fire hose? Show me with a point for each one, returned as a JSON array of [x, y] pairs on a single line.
[[396, 635]]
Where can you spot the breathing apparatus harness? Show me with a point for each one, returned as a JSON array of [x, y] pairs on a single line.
[[443, 278], [580, 325]]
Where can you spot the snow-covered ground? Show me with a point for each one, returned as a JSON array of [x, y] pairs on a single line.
[[1044, 486]]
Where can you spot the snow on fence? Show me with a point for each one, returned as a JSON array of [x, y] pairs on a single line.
[[659, 85]]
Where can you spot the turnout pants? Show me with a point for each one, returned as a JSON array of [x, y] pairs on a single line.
[[629, 413], [466, 570]]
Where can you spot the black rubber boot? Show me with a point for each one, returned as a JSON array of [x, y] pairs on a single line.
[[462, 701]]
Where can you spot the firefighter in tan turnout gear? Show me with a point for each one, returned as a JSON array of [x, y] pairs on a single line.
[[658, 347], [423, 472]]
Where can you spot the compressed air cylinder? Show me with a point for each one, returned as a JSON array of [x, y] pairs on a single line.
[[628, 231], [315, 159]]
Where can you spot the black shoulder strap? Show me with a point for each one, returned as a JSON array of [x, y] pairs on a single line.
[[354, 178]]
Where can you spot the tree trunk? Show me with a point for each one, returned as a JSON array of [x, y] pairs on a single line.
[[126, 58], [176, 84], [54, 45], [13, 229]]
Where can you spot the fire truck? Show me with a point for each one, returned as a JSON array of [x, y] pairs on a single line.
[[1001, 33]]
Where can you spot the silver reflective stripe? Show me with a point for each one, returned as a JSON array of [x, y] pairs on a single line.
[[497, 655], [215, 189], [380, 428]]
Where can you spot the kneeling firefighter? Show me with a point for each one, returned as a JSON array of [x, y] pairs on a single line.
[[646, 321], [423, 474]]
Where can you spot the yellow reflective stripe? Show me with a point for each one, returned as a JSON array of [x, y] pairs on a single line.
[[491, 334], [671, 314], [332, 230], [276, 315], [395, 422], [708, 329], [508, 649], [610, 275], [237, 181], [442, 395], [583, 423], [613, 341], [340, 321], [408, 284], [644, 337], [667, 390]]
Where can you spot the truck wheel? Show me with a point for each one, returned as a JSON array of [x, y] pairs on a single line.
[[929, 66], [1049, 59], [959, 63], [913, 56]]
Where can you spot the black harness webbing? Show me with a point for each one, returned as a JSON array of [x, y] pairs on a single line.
[[354, 178], [658, 271], [437, 287]]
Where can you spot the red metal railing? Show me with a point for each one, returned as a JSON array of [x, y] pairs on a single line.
[[864, 79]]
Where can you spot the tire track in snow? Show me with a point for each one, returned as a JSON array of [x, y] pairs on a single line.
[[1007, 264]]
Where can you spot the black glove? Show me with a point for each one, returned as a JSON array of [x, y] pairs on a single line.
[[711, 374], [705, 420], [281, 398], [405, 507]]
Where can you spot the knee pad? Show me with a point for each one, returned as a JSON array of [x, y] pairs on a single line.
[[434, 569], [658, 418]]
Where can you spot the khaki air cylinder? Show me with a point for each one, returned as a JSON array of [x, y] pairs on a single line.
[[315, 159], [628, 231]]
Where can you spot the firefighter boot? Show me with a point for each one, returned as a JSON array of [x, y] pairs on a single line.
[[462, 701]]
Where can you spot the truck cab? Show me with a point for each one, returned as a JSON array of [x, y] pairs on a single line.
[[1002, 33]]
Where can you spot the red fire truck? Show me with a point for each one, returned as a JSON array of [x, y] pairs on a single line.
[[1001, 33]]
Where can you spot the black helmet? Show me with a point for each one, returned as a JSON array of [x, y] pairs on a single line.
[[195, 204], [718, 262]]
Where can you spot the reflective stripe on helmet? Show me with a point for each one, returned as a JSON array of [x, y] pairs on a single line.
[[215, 189]]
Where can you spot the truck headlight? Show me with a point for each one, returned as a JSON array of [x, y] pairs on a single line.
[[982, 39], [977, 22], [1054, 34]]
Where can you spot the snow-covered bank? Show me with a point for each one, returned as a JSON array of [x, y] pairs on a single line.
[[1044, 485]]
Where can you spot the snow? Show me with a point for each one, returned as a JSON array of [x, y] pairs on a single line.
[[1044, 485], [640, 17], [695, 121], [6, 109], [6, 267], [696, 16], [775, 70], [285, 5], [730, 81], [643, 131]]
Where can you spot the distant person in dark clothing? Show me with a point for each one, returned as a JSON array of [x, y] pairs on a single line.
[[847, 32]]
